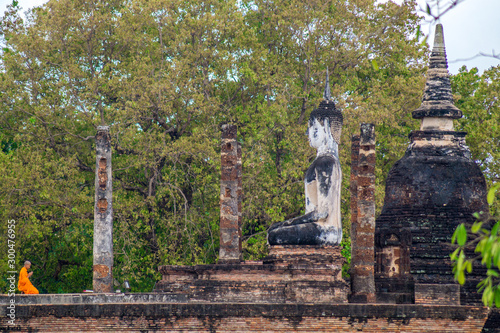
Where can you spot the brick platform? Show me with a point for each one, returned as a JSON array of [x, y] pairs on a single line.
[[231, 317], [290, 274]]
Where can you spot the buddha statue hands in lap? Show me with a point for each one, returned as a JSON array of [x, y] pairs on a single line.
[[321, 223]]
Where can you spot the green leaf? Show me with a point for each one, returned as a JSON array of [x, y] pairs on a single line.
[[487, 299], [481, 285], [460, 262], [453, 256], [454, 236], [476, 226], [494, 230], [497, 297], [468, 266], [461, 235], [480, 246], [428, 9], [374, 65], [497, 259], [461, 278], [492, 272], [491, 193]]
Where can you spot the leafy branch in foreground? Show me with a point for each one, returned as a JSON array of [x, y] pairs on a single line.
[[484, 235]]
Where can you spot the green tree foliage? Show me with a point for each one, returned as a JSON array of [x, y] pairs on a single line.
[[478, 97], [483, 236], [164, 75]]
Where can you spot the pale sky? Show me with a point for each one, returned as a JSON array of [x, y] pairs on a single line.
[[473, 26]]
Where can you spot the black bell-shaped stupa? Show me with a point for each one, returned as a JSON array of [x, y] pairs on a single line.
[[429, 192]]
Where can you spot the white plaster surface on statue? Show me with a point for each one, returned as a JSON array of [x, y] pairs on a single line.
[[325, 205], [436, 124]]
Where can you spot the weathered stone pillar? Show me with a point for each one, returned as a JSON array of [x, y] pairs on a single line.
[[362, 252], [230, 197], [103, 215]]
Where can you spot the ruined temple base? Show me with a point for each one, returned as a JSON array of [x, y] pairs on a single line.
[[94, 316], [290, 274]]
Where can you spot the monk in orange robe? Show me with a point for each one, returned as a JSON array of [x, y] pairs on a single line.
[[24, 283]]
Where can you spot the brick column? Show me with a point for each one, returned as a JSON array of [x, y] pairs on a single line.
[[239, 192], [103, 215], [354, 193], [362, 252], [230, 197]]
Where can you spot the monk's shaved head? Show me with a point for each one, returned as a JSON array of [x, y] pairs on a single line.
[[27, 263]]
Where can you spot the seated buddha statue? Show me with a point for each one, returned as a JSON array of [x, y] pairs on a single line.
[[321, 223]]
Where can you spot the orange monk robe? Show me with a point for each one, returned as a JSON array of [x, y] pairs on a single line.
[[24, 283]]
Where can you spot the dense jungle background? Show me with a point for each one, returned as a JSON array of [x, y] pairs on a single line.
[[164, 75]]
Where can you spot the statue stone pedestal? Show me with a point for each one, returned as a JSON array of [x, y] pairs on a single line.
[[309, 256]]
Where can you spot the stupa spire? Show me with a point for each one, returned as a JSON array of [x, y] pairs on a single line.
[[437, 101], [327, 94], [439, 39]]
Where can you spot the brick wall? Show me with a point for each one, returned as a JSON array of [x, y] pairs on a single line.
[[169, 317], [439, 294]]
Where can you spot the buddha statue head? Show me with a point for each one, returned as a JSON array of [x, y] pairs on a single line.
[[325, 124]]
